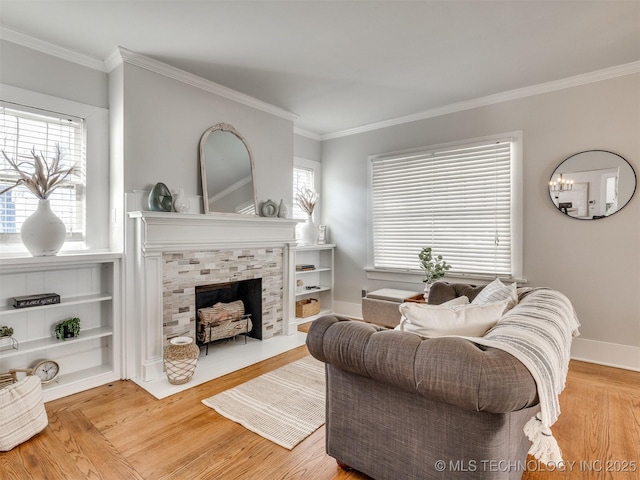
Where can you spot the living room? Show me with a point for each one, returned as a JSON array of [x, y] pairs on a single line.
[[156, 111]]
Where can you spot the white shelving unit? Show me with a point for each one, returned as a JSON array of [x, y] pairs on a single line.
[[320, 278], [89, 288]]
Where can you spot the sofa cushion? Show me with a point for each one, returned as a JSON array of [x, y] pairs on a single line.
[[497, 291], [431, 321], [22, 412], [442, 291], [450, 369]]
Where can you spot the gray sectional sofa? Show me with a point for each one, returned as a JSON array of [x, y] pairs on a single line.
[[403, 407]]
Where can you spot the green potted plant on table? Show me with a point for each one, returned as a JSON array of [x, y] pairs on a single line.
[[69, 328], [433, 266]]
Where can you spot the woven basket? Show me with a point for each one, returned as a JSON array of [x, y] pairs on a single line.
[[180, 359], [308, 307]]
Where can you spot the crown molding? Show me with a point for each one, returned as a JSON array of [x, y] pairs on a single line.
[[13, 36], [307, 133], [156, 66], [575, 81]]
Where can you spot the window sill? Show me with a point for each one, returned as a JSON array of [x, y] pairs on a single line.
[[406, 276]]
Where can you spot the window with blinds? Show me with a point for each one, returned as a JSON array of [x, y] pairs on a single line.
[[22, 130], [302, 177], [457, 200]]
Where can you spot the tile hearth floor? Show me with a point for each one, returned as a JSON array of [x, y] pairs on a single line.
[[224, 358]]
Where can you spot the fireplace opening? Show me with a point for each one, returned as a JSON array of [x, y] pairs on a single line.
[[224, 310]]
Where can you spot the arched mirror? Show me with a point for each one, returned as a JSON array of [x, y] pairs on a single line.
[[226, 164], [592, 184]]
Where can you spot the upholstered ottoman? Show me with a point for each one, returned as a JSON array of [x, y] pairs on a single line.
[[381, 306]]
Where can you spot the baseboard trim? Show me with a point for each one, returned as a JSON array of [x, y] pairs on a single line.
[[348, 309], [605, 353], [592, 351]]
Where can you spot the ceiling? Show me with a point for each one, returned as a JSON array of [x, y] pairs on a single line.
[[345, 64]]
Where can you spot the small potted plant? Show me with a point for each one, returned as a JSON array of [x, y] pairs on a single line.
[[69, 328], [433, 266], [6, 331], [6, 339]]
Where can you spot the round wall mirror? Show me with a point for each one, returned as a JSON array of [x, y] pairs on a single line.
[[592, 184], [226, 166]]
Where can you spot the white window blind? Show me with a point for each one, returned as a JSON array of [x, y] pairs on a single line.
[[23, 129], [456, 200]]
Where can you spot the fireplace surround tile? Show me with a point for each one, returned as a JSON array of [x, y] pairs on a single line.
[[183, 270]]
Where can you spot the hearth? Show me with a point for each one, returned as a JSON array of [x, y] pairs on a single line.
[[225, 310]]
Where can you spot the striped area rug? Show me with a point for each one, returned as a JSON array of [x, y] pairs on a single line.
[[284, 406]]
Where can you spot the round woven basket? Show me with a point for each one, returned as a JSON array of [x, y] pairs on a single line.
[[180, 359]]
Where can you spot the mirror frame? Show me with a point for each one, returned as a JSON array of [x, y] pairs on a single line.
[[620, 157], [223, 127]]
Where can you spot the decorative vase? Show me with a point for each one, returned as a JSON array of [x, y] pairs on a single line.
[[309, 232], [427, 287], [180, 359], [283, 211], [43, 233], [181, 204]]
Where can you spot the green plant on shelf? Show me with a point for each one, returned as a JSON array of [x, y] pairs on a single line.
[[6, 331], [69, 328]]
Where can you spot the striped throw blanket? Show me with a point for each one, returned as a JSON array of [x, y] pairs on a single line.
[[538, 332]]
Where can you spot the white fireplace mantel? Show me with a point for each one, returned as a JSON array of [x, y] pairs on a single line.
[[161, 231], [158, 232]]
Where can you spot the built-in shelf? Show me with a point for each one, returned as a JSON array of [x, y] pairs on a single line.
[[321, 257], [304, 291], [315, 270], [89, 288], [64, 302], [52, 342]]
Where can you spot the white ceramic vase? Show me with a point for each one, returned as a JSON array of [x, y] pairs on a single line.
[[427, 288], [181, 203], [309, 232], [43, 233]]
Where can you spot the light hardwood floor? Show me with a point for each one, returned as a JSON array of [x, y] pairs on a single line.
[[119, 431]]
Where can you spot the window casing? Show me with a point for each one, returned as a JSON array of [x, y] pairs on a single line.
[[462, 199], [23, 129]]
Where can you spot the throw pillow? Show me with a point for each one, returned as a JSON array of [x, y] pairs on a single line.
[[461, 300], [497, 291], [439, 320]]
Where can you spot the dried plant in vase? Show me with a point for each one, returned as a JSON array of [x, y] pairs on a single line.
[[43, 233], [40, 177], [307, 198]]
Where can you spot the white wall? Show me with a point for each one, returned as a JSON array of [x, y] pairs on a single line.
[[305, 147], [32, 70], [595, 263], [163, 121]]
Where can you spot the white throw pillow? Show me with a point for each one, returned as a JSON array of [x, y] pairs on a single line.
[[439, 320], [461, 300], [497, 291]]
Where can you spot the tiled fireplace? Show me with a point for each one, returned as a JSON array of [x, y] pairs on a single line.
[[170, 254], [182, 272]]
